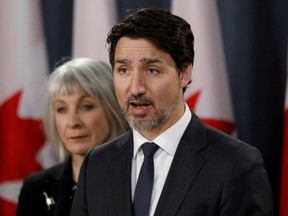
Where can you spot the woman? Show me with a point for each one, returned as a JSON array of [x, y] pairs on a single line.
[[81, 112]]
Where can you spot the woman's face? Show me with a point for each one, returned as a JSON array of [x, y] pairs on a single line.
[[81, 122]]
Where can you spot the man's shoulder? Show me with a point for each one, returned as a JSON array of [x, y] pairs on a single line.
[[228, 147], [219, 137], [209, 139], [117, 144]]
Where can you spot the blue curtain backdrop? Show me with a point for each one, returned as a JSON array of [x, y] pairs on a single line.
[[255, 44], [58, 27], [255, 40]]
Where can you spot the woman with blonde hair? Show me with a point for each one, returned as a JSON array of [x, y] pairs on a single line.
[[81, 112]]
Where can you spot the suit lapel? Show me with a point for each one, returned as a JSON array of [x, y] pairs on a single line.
[[121, 175], [57, 186], [184, 168]]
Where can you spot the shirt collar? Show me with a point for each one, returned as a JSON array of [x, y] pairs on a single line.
[[169, 139]]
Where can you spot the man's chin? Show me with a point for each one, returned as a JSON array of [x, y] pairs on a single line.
[[142, 124]]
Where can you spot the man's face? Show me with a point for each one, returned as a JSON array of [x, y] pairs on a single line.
[[147, 85]]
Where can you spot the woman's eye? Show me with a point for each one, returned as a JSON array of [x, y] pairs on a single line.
[[61, 110], [87, 107]]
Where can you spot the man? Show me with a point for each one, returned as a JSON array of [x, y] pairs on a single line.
[[197, 169]]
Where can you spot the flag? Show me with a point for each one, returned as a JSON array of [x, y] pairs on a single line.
[[23, 71], [209, 94], [92, 22]]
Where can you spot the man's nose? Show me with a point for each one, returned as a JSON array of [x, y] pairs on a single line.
[[137, 84]]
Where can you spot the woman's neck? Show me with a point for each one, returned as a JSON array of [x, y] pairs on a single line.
[[76, 164]]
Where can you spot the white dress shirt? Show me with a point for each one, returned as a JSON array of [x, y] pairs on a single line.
[[168, 142]]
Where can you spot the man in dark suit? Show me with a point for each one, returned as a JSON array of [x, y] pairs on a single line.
[[197, 169]]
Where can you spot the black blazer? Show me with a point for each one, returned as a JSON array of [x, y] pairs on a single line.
[[56, 182], [211, 174]]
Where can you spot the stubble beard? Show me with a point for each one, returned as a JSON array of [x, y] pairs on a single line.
[[139, 123]]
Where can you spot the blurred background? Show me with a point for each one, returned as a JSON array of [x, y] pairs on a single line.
[[238, 81]]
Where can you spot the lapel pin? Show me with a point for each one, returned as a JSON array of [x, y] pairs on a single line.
[[49, 200]]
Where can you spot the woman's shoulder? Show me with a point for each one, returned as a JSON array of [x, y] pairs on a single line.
[[52, 173]]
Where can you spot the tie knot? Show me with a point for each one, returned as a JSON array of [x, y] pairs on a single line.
[[149, 148]]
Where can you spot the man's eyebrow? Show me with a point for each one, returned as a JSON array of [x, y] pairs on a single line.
[[149, 61], [122, 61], [143, 61]]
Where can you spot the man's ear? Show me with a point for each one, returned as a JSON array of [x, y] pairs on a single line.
[[185, 76]]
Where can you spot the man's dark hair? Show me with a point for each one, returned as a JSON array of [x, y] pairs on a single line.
[[166, 31]]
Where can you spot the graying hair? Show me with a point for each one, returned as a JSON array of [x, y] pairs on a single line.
[[92, 77]]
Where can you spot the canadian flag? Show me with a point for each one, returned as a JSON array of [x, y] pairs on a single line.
[[23, 70], [91, 28], [209, 94], [284, 174]]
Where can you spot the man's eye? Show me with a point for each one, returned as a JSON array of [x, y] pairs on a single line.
[[152, 71], [123, 70]]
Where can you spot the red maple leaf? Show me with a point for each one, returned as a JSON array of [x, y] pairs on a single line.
[[20, 141], [223, 125]]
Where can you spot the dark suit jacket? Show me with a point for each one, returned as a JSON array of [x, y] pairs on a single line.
[[56, 182], [211, 174]]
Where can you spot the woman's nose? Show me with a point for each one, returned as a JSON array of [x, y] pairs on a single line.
[[73, 120]]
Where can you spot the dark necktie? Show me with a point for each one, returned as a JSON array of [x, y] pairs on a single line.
[[143, 191]]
